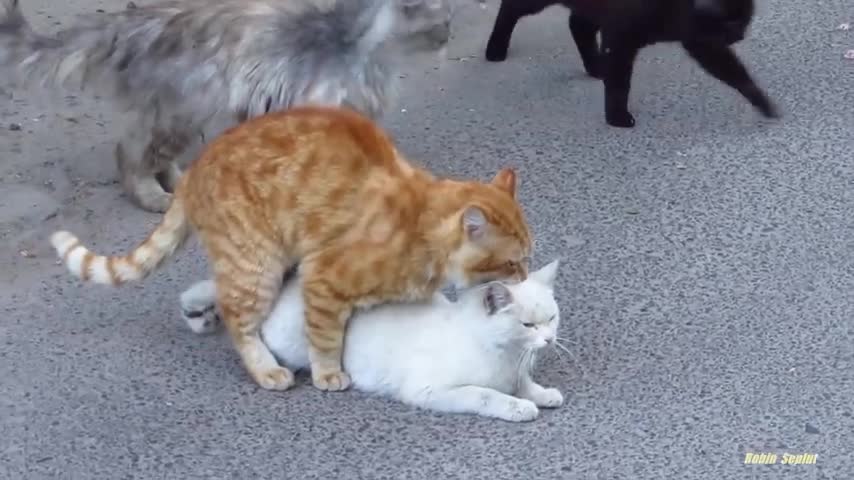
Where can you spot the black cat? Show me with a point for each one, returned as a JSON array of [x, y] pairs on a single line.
[[706, 29]]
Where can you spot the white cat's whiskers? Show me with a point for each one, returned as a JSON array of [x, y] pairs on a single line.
[[561, 343], [559, 346], [562, 347], [559, 354]]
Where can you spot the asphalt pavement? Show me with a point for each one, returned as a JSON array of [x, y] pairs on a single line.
[[707, 284]]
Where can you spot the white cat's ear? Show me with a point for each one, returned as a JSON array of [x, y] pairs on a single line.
[[547, 274], [496, 297], [474, 223]]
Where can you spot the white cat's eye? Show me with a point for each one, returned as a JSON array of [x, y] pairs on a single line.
[[528, 324]]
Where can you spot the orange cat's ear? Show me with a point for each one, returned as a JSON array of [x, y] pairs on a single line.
[[505, 179], [474, 223]]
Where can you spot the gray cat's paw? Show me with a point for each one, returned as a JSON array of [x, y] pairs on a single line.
[[154, 201]]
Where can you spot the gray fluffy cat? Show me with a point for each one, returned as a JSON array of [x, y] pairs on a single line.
[[178, 65]]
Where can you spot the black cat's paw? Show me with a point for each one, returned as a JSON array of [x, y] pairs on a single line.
[[622, 119], [594, 71], [760, 101], [496, 53], [769, 110], [594, 68]]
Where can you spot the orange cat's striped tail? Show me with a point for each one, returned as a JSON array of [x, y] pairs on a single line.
[[160, 244]]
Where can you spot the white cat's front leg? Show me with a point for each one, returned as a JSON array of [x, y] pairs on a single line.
[[482, 401], [540, 395]]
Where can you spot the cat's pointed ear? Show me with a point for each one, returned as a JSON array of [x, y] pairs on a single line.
[[505, 179], [496, 297], [474, 222], [547, 274]]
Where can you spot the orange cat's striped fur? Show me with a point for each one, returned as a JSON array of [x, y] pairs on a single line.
[[324, 188]]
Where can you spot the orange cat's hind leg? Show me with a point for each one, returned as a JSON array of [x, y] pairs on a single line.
[[246, 291]]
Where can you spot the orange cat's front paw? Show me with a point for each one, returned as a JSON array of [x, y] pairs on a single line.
[[277, 378], [331, 381]]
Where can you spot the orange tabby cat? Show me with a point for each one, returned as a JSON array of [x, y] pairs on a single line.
[[326, 188]]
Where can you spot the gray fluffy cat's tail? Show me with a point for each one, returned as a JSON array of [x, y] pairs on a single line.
[[75, 59], [10, 15], [200, 57]]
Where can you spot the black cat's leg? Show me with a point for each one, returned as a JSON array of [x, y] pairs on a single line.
[[618, 62], [722, 63], [584, 33], [509, 13]]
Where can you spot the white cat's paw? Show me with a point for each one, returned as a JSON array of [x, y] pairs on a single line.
[[549, 398], [198, 307], [203, 321], [520, 410]]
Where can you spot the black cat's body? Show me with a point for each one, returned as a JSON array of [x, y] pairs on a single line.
[[705, 28]]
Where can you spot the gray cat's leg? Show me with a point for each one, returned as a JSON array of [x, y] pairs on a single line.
[[541, 396], [166, 147], [482, 401], [146, 156], [183, 139], [198, 307], [170, 177], [137, 175]]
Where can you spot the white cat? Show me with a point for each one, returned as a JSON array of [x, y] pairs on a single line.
[[474, 355]]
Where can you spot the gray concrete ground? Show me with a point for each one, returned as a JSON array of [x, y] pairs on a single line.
[[706, 286]]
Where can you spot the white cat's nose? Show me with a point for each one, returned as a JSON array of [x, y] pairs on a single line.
[[550, 340]]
